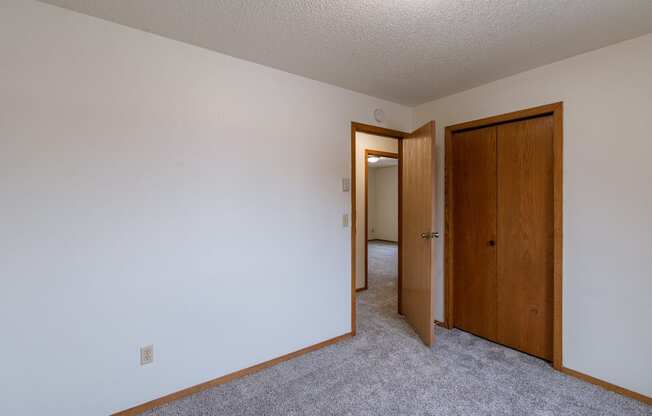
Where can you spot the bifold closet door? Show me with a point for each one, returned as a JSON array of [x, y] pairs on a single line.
[[525, 236], [474, 230]]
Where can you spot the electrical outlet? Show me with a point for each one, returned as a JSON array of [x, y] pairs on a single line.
[[345, 220], [147, 355]]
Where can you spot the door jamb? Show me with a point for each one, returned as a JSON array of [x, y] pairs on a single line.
[[556, 111], [367, 153], [378, 131]]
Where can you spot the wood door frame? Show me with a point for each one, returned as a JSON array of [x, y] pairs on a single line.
[[377, 131], [367, 153], [556, 111]]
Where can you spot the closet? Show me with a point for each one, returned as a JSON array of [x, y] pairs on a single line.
[[502, 225]]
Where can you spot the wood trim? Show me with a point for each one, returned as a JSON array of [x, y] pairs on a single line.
[[378, 131], [383, 240], [611, 387], [556, 111], [508, 117], [391, 155], [448, 230], [367, 153], [366, 220], [136, 410], [399, 283], [352, 186], [558, 232]]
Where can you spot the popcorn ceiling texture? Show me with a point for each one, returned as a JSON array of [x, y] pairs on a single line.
[[409, 51]]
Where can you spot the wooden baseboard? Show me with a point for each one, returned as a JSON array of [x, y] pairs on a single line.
[[224, 379], [612, 387], [361, 289]]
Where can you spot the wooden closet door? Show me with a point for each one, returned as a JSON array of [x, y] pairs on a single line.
[[474, 231], [525, 235]]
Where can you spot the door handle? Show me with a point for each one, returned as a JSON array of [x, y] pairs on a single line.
[[430, 235], [492, 243]]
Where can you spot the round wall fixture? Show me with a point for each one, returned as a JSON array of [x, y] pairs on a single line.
[[379, 115]]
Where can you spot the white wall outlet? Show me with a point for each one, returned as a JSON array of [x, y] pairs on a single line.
[[346, 184], [345, 220], [147, 355]]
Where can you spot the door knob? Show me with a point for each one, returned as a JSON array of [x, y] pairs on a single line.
[[492, 243], [430, 235]]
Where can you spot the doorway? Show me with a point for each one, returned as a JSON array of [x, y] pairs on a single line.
[[416, 197], [373, 150], [503, 229], [381, 215]]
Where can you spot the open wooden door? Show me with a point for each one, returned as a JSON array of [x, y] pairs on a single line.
[[418, 180]]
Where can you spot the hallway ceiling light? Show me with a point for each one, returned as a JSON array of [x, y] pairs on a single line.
[[373, 159]]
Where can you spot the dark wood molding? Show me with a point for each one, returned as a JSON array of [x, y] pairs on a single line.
[[556, 111], [136, 410]]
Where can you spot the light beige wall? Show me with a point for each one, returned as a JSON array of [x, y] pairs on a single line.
[[607, 269], [384, 204], [365, 141]]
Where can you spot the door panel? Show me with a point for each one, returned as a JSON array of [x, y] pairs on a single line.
[[418, 216], [474, 228], [525, 236]]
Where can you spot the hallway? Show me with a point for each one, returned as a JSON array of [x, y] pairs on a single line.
[[386, 370], [381, 295]]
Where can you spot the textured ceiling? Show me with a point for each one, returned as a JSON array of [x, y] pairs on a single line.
[[406, 51]]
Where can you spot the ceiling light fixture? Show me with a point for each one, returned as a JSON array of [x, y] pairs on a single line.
[[373, 159]]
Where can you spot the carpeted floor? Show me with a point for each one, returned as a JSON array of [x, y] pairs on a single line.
[[386, 370]]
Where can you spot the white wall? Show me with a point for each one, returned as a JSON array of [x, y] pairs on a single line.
[[365, 141], [371, 202], [383, 203], [151, 192], [607, 293]]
